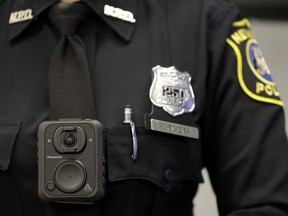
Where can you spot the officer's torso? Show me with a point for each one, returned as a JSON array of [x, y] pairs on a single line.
[[121, 56]]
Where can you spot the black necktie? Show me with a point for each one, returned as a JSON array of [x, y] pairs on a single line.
[[70, 89]]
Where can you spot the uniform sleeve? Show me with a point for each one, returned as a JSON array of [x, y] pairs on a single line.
[[245, 144]]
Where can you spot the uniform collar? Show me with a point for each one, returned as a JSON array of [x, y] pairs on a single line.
[[24, 12]]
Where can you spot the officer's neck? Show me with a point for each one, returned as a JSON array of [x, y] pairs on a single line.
[[69, 1]]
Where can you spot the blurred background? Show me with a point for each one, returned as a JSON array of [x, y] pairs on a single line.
[[269, 19]]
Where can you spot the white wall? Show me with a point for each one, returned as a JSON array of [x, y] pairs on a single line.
[[272, 37]]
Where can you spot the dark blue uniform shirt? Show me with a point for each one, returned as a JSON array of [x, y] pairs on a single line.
[[237, 108]]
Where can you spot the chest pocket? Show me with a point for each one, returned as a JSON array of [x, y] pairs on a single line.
[[165, 160], [8, 134]]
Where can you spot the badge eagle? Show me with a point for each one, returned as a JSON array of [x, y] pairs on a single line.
[[171, 89]]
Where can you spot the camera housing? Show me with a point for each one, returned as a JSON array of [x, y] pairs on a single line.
[[70, 161]]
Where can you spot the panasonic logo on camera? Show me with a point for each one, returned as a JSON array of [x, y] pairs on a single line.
[[54, 157]]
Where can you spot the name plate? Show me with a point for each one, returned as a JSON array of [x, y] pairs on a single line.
[[175, 129]]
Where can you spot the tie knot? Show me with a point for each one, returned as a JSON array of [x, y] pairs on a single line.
[[66, 17]]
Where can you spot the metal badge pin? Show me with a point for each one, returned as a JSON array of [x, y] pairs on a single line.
[[128, 120], [21, 16], [118, 13]]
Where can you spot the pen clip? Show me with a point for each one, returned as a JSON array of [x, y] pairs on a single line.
[[128, 120]]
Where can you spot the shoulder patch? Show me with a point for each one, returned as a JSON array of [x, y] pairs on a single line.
[[253, 72]]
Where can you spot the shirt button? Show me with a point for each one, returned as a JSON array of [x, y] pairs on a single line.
[[169, 175]]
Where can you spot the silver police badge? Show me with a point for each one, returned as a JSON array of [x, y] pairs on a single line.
[[172, 90]]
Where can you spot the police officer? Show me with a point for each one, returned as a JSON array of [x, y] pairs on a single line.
[[201, 95]]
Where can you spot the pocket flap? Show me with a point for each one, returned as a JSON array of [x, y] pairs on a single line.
[[8, 134], [165, 160]]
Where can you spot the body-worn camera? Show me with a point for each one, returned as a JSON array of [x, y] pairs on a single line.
[[70, 161]]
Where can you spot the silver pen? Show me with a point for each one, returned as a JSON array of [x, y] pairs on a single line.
[[128, 120]]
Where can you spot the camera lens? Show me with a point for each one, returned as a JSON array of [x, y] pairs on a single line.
[[70, 139]]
